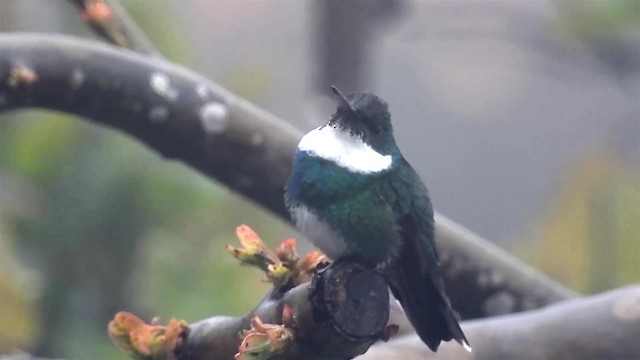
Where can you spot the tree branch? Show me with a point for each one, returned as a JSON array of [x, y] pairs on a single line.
[[326, 324], [315, 310], [186, 117], [345, 31], [603, 326], [484, 281]]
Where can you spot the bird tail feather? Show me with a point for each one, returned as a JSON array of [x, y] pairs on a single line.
[[424, 302]]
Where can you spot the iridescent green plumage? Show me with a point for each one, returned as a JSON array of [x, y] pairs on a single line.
[[366, 201]]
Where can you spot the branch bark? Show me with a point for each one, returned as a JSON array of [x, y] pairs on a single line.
[[603, 326], [184, 116], [327, 326]]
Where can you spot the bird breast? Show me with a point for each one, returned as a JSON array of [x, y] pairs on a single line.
[[319, 232]]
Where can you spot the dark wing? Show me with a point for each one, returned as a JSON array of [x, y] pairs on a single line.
[[414, 276]]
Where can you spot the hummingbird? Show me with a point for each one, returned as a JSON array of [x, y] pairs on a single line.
[[353, 194]]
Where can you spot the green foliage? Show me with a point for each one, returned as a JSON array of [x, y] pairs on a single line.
[[34, 148], [19, 287], [589, 239], [159, 25], [603, 17], [123, 225], [119, 228], [627, 210]]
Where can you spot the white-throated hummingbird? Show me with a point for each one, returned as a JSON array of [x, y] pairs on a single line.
[[353, 194]]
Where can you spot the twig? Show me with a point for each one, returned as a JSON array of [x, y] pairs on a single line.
[[186, 117], [110, 20]]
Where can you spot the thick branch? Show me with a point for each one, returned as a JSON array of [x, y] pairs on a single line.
[[174, 111], [186, 117], [338, 315], [604, 326], [484, 281]]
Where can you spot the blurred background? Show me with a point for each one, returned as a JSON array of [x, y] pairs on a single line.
[[523, 117]]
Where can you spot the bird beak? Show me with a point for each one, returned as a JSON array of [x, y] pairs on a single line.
[[342, 100]]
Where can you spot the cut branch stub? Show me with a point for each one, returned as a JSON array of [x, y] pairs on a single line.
[[353, 300], [343, 311], [350, 305]]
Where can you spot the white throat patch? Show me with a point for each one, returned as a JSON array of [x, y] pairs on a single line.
[[344, 149]]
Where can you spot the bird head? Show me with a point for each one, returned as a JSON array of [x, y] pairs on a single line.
[[365, 116]]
